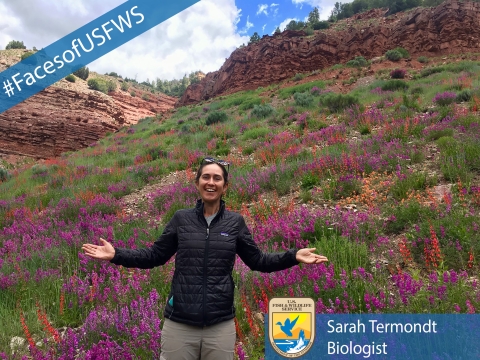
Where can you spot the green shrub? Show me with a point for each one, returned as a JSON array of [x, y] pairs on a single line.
[[82, 73], [248, 150], [70, 78], [27, 54], [216, 117], [145, 97], [365, 129], [464, 95], [250, 104], [255, 133], [309, 31], [124, 86], [402, 52], [394, 85], [359, 61], [298, 77], [4, 174], [433, 70], [222, 151], [321, 25], [406, 215], [133, 93], [423, 59], [14, 44], [408, 182], [303, 99], [124, 162], [417, 90], [262, 111], [97, 84], [309, 181], [111, 85], [437, 134], [39, 169], [287, 92], [393, 55], [338, 102]]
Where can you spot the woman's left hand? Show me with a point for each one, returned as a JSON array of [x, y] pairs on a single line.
[[307, 256]]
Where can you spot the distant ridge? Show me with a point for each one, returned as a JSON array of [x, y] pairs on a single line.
[[450, 28]]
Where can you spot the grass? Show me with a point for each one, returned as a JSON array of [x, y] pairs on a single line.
[[287, 92], [294, 184]]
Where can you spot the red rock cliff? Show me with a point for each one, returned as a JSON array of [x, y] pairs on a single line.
[[450, 28], [69, 116]]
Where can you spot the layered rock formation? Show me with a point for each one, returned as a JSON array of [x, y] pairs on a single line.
[[451, 28], [69, 116]]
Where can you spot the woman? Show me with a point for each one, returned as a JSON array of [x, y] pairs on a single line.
[[199, 312]]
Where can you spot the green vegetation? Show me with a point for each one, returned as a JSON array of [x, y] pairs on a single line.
[[359, 61], [383, 180], [102, 85], [393, 55], [15, 44], [216, 117], [70, 78], [82, 73], [338, 102]]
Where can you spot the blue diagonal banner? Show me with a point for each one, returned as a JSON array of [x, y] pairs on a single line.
[[83, 46]]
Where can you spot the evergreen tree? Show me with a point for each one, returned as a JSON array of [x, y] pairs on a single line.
[[313, 17], [14, 44], [295, 25], [82, 73], [254, 38], [277, 30]]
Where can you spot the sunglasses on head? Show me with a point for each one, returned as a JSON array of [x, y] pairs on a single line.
[[210, 160]]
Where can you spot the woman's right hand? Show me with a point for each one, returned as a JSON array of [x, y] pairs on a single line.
[[104, 252]]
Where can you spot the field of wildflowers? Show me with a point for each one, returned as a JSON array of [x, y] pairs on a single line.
[[386, 184]]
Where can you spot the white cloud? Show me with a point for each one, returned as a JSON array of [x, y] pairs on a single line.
[[262, 9], [325, 7], [248, 25], [285, 22], [199, 38], [273, 5], [263, 27]]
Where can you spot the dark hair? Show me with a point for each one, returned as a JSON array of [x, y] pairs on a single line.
[[203, 164]]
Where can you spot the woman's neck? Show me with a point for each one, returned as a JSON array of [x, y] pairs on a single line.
[[210, 209]]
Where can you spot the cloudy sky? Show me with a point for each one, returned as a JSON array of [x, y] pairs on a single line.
[[199, 38]]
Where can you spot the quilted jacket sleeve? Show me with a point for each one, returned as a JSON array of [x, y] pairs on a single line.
[[258, 260], [158, 254]]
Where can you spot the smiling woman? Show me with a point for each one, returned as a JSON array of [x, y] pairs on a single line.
[[206, 239]]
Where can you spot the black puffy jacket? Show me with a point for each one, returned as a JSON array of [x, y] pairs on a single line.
[[202, 286]]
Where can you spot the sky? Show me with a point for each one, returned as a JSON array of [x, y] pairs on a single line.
[[201, 37]]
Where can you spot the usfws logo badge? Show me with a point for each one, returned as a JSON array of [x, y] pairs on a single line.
[[291, 325]]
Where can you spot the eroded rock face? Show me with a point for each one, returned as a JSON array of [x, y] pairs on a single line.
[[59, 119], [450, 28]]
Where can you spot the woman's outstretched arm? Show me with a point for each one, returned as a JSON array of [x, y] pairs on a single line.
[[158, 254], [258, 260]]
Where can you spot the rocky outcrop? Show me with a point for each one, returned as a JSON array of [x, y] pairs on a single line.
[[451, 28], [69, 116], [60, 119], [142, 105]]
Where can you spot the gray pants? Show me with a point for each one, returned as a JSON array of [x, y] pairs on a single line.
[[185, 342]]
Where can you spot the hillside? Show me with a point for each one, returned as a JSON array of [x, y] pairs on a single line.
[[374, 162], [450, 28], [69, 116]]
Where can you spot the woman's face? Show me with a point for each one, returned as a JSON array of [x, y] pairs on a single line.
[[211, 184]]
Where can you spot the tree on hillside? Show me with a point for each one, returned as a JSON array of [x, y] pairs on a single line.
[[295, 25], [277, 30], [82, 73], [254, 38], [313, 17], [14, 44]]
